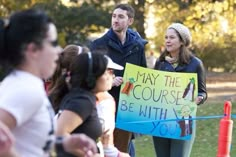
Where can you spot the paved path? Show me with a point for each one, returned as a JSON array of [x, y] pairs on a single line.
[[221, 91], [221, 87]]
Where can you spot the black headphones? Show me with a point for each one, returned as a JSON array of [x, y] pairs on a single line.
[[90, 80]]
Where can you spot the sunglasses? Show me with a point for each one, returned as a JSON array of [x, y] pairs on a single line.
[[54, 43]]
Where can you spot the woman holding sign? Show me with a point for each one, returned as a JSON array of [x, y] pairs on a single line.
[[178, 58]]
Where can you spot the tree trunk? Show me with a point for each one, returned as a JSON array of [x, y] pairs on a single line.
[[139, 16]]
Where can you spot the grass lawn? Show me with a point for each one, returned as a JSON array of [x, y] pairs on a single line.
[[206, 141]]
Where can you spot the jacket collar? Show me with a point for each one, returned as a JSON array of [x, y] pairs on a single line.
[[131, 36]]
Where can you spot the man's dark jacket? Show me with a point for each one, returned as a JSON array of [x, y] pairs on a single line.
[[131, 52]]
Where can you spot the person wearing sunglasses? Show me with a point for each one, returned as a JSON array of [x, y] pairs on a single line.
[[28, 54]]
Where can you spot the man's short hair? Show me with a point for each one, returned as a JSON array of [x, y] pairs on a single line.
[[130, 10]]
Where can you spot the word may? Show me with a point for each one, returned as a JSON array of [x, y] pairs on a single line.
[[147, 78], [151, 79]]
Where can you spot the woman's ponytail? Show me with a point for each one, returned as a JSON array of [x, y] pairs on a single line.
[[2, 41], [4, 62]]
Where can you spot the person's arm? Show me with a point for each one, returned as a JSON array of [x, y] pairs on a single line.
[[108, 114], [7, 122], [77, 144], [67, 122], [109, 108], [202, 92]]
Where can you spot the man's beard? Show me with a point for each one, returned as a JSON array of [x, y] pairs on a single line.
[[118, 30]]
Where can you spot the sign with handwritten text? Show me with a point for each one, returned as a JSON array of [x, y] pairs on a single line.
[[157, 103]]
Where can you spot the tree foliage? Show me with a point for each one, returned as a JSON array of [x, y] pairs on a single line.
[[211, 23], [77, 21], [212, 26]]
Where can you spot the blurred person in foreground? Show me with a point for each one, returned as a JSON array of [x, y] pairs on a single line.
[[28, 53]]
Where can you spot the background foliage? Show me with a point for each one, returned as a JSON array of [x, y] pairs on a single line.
[[212, 23]]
